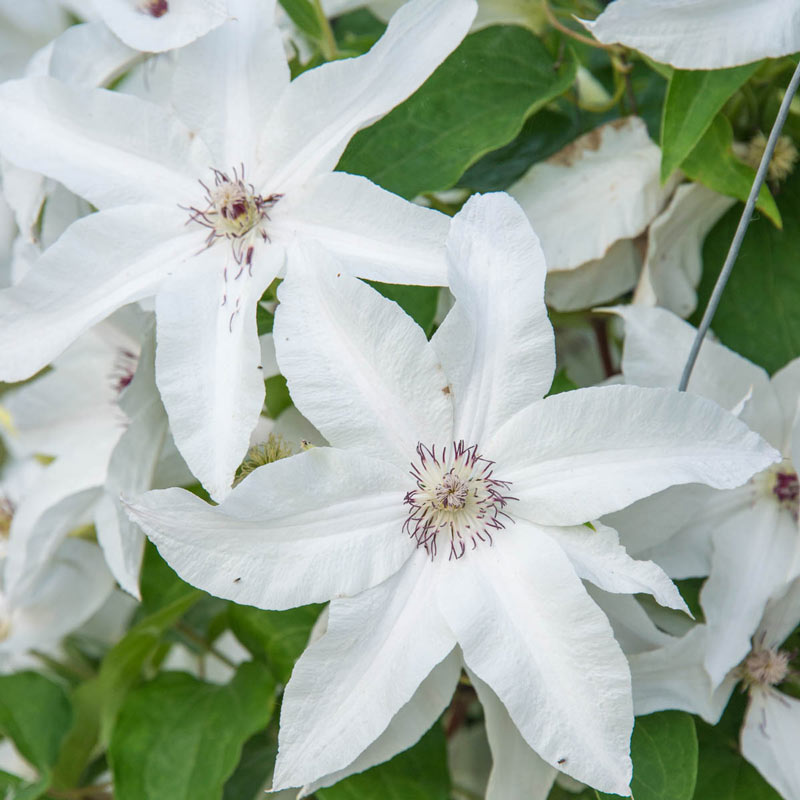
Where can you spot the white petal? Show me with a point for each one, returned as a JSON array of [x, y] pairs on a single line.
[[786, 382], [408, 724], [598, 557], [108, 147], [301, 530], [527, 628], [769, 739], [130, 471], [208, 359], [379, 647], [674, 261], [752, 552], [357, 366], [376, 234], [517, 772], [782, 615], [656, 345], [101, 263], [673, 676], [602, 187], [226, 84], [324, 107], [90, 55], [702, 34], [595, 281], [496, 272], [578, 455], [58, 598], [182, 23]]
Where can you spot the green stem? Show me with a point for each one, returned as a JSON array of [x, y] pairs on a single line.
[[327, 42], [185, 631]]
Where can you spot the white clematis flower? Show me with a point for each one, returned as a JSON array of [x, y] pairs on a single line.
[[746, 540], [264, 150], [446, 519], [702, 34]]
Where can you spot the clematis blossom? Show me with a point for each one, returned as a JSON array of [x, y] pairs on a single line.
[[702, 34], [199, 201], [446, 519]]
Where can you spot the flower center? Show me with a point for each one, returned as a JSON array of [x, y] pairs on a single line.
[[235, 212], [456, 496], [124, 369], [781, 483], [155, 8], [765, 666]]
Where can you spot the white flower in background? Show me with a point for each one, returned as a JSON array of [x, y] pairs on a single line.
[[746, 540], [24, 29], [588, 203], [446, 519], [702, 34], [673, 677], [263, 150]]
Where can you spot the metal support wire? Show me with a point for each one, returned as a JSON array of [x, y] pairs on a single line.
[[736, 244]]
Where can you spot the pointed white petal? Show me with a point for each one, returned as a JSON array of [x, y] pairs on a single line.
[[379, 647], [90, 55], [301, 530], [527, 628], [674, 259], [376, 234], [769, 739], [782, 615], [673, 676], [208, 359], [357, 366], [226, 84], [182, 22], [324, 107], [496, 272], [578, 455], [704, 34], [752, 552], [101, 263], [657, 343], [598, 557], [58, 598], [786, 382], [408, 724], [517, 772], [595, 281], [602, 187], [110, 148], [130, 471]]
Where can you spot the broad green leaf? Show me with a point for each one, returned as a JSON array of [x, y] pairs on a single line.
[[543, 134], [713, 163], [35, 714], [419, 302], [758, 316], [664, 755], [303, 14], [418, 774], [275, 637], [252, 774], [475, 102], [264, 320], [180, 738], [159, 584], [694, 98], [277, 398], [97, 701]]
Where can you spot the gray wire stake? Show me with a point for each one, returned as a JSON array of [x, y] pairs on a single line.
[[736, 244]]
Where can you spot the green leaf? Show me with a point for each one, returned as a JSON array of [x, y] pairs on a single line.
[[275, 637], [181, 738], [418, 774], [562, 383], [251, 778], [35, 714], [419, 302], [97, 701], [758, 316], [664, 754], [475, 102], [277, 397], [264, 320], [303, 14], [694, 98], [713, 163]]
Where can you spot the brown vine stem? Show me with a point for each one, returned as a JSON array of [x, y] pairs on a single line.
[[579, 37]]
